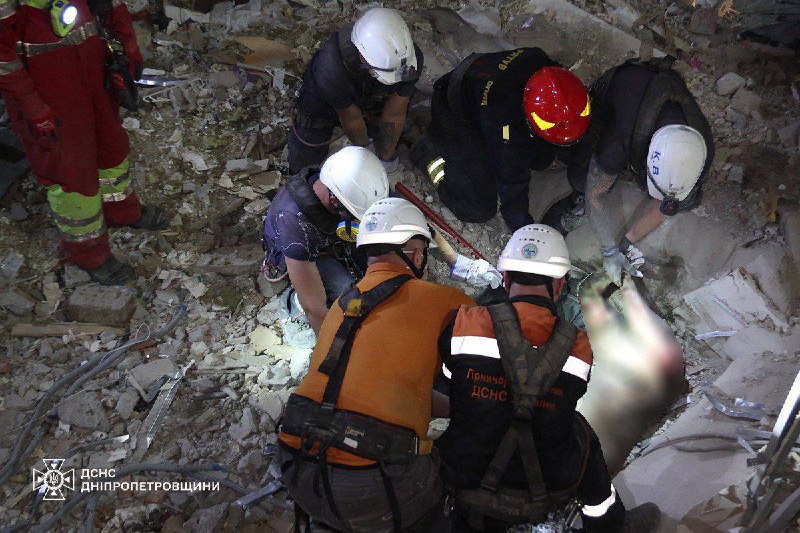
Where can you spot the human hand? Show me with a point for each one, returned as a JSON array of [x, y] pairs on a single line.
[[44, 126], [476, 272]]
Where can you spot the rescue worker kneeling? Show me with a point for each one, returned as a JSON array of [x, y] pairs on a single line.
[[353, 450], [516, 448]]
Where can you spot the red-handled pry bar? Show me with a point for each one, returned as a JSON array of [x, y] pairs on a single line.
[[431, 214]]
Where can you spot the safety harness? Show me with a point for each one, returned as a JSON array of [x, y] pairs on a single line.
[[531, 372], [322, 426], [665, 86], [309, 204]]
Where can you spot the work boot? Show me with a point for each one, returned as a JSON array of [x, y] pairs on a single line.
[[153, 218], [112, 272], [642, 518]]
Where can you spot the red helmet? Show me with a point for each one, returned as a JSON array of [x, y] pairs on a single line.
[[557, 105]]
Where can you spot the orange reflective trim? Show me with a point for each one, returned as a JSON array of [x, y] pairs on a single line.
[[540, 123]]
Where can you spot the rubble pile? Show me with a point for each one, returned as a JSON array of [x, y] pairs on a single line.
[[210, 150]]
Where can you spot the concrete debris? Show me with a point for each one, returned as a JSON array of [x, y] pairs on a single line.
[[212, 152], [113, 306], [147, 374], [16, 302], [10, 265], [729, 83], [746, 101], [83, 410]]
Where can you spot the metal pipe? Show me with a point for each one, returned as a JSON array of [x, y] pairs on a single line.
[[436, 219]]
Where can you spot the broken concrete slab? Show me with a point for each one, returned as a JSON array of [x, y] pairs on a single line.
[[262, 338], [655, 477], [148, 373], [83, 410], [790, 134], [245, 427], [729, 83], [99, 304], [10, 265], [16, 302], [269, 402], [126, 402], [746, 101]]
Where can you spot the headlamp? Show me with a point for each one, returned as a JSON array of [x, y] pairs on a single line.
[[63, 16]]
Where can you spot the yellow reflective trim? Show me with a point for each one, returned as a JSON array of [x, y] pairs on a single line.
[[588, 108], [506, 133], [541, 124]]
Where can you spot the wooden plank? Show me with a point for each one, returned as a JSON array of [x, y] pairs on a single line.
[[62, 328]]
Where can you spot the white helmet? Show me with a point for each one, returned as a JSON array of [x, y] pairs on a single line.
[[356, 177], [392, 221], [675, 161], [536, 249], [382, 37]]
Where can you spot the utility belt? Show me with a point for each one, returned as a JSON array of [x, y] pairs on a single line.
[[74, 37], [512, 505], [321, 428]]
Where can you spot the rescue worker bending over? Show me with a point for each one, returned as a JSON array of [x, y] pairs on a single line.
[[354, 453], [495, 118], [516, 448], [310, 227], [645, 119], [53, 82], [370, 66]]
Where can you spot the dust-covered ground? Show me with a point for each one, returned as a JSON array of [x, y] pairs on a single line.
[[211, 152]]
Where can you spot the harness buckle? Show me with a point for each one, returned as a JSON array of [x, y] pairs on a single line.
[[354, 308]]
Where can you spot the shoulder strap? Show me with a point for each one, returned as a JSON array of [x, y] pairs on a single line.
[[356, 306], [454, 86], [666, 86], [531, 372], [348, 51], [303, 195]]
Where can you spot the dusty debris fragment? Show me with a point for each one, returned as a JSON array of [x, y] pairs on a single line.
[[10, 264], [790, 134], [269, 402], [100, 304], [262, 338], [83, 410], [745, 101], [729, 83], [16, 302], [148, 373], [126, 402], [245, 427]]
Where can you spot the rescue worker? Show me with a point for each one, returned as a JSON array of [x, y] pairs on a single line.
[[644, 119], [353, 450], [495, 118], [516, 448], [371, 66], [312, 222], [52, 80]]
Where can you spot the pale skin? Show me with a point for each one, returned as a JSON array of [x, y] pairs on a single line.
[[440, 403], [392, 122]]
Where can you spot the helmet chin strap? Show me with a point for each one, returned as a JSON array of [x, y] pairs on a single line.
[[418, 272]]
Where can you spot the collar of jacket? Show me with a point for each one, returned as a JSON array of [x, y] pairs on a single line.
[[541, 301]]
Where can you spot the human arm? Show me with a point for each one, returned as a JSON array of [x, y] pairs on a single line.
[[15, 83], [649, 220], [122, 27], [476, 272], [306, 280], [393, 120], [352, 122]]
